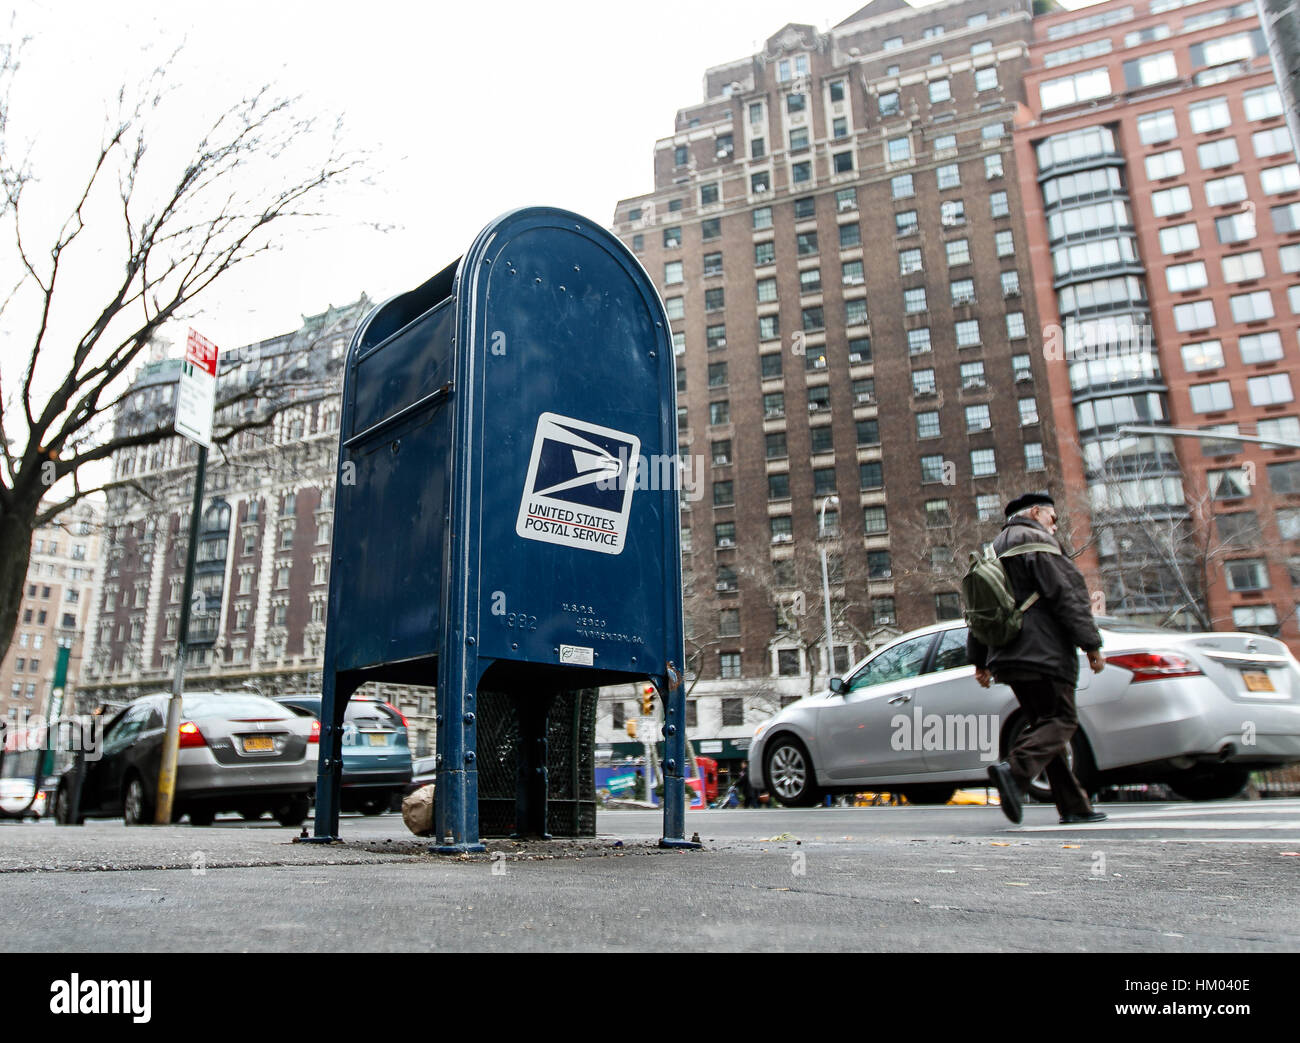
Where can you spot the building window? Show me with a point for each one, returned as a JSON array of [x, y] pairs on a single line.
[[948, 176], [1028, 411], [967, 331], [1205, 354], [899, 149], [1247, 574], [937, 515], [972, 374], [909, 261], [1214, 397], [998, 205], [781, 529], [1251, 307], [768, 327], [1155, 127], [769, 366], [1070, 90], [1209, 115], [724, 534], [773, 405], [1224, 190], [1219, 153], [850, 236], [904, 223], [1196, 315], [1034, 456], [932, 468], [1272, 389], [1274, 142], [914, 300], [927, 424], [1240, 267], [719, 412], [983, 462], [952, 213], [958, 251], [918, 341], [874, 521], [1016, 324], [871, 475], [1183, 277], [672, 273], [1165, 164], [988, 507], [923, 382], [778, 486], [978, 419], [1259, 347], [963, 291], [1236, 228], [806, 244], [867, 432]]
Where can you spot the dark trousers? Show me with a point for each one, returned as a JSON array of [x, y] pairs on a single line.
[[1053, 720]]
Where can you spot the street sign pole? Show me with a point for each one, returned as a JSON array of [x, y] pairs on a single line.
[[195, 399], [55, 711]]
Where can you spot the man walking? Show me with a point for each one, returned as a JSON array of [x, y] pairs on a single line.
[[1040, 664]]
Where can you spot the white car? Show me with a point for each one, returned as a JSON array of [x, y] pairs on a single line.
[[1196, 711]]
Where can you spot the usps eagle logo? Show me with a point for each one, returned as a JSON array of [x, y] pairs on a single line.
[[579, 486]]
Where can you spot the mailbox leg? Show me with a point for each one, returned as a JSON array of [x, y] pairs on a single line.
[[674, 700], [456, 804], [329, 769], [532, 781]]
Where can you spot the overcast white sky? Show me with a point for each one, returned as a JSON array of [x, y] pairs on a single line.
[[468, 109]]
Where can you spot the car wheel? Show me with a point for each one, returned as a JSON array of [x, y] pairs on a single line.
[[137, 809], [789, 774], [374, 806], [938, 793], [294, 813], [1077, 757], [202, 816], [1220, 782]]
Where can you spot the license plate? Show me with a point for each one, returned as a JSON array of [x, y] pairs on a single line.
[[1257, 681], [258, 744], [378, 738]]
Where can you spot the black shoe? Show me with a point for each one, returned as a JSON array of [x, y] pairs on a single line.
[[1009, 793], [1079, 820]]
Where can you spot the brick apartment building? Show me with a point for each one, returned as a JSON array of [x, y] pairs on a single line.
[[262, 564], [838, 234], [1162, 202], [61, 589]]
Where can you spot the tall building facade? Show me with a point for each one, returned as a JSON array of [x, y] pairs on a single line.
[[837, 232], [61, 589], [1162, 201], [261, 575]]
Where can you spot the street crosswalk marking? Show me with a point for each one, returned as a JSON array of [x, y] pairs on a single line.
[[1270, 816]]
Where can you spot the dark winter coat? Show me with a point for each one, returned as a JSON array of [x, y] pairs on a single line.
[[1055, 625]]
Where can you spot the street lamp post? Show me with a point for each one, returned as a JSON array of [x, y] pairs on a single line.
[[826, 585]]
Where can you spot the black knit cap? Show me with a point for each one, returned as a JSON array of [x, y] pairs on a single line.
[[1028, 500]]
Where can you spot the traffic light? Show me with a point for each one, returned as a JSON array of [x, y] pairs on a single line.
[[631, 728], [647, 700]]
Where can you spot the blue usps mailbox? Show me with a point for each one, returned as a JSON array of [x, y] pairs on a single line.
[[506, 509]]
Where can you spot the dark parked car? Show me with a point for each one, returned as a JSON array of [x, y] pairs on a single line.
[[424, 772], [376, 757], [238, 752]]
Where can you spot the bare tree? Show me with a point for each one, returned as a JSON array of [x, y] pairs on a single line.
[[257, 169]]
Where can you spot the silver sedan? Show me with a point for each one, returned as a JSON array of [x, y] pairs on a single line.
[[1197, 711]]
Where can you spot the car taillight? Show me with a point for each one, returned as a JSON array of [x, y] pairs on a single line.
[[315, 731], [399, 713], [191, 736], [1155, 666]]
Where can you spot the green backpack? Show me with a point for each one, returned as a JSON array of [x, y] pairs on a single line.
[[991, 610]]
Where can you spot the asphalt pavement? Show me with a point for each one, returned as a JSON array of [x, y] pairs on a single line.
[[1155, 878]]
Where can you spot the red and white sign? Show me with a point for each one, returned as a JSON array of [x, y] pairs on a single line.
[[196, 395]]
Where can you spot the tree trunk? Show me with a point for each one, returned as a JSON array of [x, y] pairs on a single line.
[[16, 522]]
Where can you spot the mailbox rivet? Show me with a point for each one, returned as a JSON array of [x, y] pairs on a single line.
[[561, 289], [396, 445], [653, 355], [634, 659], [469, 756], [576, 268], [469, 641], [538, 279], [671, 730], [670, 764], [515, 647], [469, 718]]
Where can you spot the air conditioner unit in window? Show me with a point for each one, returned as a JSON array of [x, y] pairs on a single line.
[[671, 243], [1021, 377], [846, 204], [855, 356], [726, 542], [817, 407], [721, 342], [864, 396], [773, 414], [885, 621], [782, 537], [973, 382], [965, 298], [724, 587], [1011, 293], [994, 175]]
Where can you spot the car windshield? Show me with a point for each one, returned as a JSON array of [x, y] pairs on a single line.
[[233, 705], [364, 712], [901, 661]]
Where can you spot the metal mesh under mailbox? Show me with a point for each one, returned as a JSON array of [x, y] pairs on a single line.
[[570, 763]]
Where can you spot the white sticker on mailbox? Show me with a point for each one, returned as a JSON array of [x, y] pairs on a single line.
[[576, 655], [580, 484]]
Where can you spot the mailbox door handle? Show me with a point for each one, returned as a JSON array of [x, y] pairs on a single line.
[[430, 399]]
